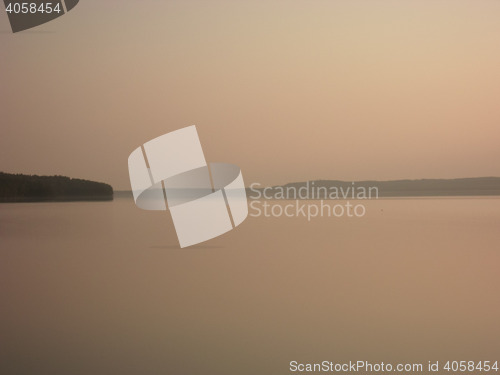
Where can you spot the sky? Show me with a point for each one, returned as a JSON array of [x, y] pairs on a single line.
[[287, 90]]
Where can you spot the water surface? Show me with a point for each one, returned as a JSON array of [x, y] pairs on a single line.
[[102, 288]]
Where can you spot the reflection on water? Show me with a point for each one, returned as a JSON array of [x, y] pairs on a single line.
[[102, 288]]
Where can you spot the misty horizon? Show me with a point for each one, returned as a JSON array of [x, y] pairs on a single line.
[[318, 89]]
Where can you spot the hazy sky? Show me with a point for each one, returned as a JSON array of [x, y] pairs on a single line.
[[288, 90]]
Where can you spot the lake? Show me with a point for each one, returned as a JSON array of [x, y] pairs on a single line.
[[103, 288]]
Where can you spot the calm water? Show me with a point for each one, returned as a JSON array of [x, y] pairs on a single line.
[[102, 288]]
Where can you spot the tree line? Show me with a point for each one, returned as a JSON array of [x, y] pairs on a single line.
[[32, 188]]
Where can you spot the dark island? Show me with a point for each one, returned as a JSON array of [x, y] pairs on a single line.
[[26, 188]]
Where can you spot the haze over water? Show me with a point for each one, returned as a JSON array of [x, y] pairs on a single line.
[[102, 288], [288, 90]]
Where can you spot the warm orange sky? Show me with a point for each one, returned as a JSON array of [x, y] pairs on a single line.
[[288, 90]]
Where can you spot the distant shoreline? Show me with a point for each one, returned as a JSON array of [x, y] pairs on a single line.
[[56, 200], [424, 188], [19, 188]]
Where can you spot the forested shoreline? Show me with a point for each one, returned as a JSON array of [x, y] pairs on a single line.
[[33, 188]]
